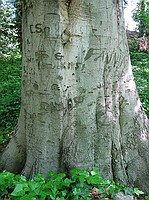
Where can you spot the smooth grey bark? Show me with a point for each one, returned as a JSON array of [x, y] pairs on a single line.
[[80, 107]]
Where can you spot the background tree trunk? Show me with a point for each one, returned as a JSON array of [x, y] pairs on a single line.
[[80, 107]]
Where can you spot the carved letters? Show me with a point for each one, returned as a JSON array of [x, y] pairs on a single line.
[[50, 26], [39, 28], [52, 106]]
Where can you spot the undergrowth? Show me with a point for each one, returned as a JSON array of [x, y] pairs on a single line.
[[80, 185], [10, 90], [140, 62]]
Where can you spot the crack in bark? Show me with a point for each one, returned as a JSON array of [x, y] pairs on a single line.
[[68, 3], [112, 161]]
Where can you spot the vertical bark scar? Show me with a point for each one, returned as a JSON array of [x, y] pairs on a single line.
[[68, 3], [118, 11], [65, 8]]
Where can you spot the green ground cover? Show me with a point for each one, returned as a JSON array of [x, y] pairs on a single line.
[[78, 185]]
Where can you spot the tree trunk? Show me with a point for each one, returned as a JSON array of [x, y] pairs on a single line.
[[80, 107]]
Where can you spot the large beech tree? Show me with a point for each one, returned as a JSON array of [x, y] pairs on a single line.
[[80, 107]]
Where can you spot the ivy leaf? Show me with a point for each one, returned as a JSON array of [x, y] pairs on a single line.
[[137, 191], [18, 191], [51, 173], [95, 171]]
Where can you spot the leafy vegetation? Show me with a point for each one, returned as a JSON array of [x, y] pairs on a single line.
[[140, 62], [80, 184], [8, 29], [141, 16], [10, 90]]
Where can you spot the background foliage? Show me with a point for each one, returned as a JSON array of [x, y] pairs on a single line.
[[140, 62], [141, 16], [8, 28], [10, 90]]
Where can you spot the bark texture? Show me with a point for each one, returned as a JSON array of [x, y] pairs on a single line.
[[80, 107]]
